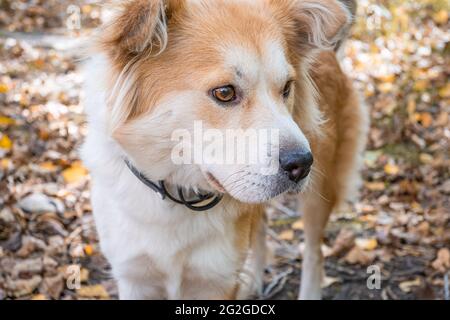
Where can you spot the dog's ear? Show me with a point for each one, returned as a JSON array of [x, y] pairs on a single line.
[[138, 25], [315, 24]]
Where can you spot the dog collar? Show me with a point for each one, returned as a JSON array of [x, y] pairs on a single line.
[[160, 188]]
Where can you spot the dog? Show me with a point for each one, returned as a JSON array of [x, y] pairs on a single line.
[[197, 230]]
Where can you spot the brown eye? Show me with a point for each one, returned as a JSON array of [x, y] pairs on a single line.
[[287, 89], [224, 94]]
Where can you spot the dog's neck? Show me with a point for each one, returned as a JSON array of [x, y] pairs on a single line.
[[194, 200]]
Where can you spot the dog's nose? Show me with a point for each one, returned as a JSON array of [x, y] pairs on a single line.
[[297, 163]]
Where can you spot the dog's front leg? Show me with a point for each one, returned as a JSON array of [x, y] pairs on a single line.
[[315, 216], [130, 289]]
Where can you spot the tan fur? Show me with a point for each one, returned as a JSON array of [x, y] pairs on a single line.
[[332, 117]]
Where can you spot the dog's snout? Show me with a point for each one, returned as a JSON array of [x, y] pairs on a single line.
[[296, 163]]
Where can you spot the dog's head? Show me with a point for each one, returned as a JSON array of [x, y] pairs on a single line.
[[192, 81]]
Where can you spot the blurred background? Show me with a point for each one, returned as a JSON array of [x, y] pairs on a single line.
[[399, 58]]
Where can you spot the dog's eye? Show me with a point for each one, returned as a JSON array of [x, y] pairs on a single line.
[[224, 94], [287, 89]]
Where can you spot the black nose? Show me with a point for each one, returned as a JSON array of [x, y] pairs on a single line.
[[297, 163]]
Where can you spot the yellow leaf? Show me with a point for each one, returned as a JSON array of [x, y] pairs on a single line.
[[5, 142], [95, 291], [86, 9], [385, 87], [5, 163], [421, 85], [286, 235], [387, 78], [366, 244], [88, 249], [391, 169], [75, 173], [4, 88], [48, 166], [84, 275], [298, 225], [406, 286], [441, 17], [39, 296], [445, 91], [5, 121]]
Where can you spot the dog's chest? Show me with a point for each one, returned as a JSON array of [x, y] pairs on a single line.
[[174, 253]]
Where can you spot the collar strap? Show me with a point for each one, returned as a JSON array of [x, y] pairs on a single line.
[[161, 190]]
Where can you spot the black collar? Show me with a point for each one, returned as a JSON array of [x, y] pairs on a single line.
[[161, 190]]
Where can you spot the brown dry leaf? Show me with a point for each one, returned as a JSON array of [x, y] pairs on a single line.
[[344, 241], [286, 235], [445, 91], [359, 256], [406, 286], [375, 186], [39, 296], [367, 244], [75, 173], [426, 158], [424, 118], [94, 291], [442, 262]]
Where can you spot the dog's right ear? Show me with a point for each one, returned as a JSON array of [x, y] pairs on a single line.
[[138, 25]]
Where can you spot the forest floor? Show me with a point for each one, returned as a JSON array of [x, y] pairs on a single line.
[[399, 58]]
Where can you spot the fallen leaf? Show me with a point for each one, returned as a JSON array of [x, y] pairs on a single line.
[[424, 118], [88, 249], [375, 186], [441, 17], [5, 121], [298, 225], [5, 142], [94, 291], [421, 85], [366, 244], [406, 286], [391, 169], [4, 88], [286, 235], [40, 203], [329, 281], [426, 158], [48, 166], [75, 173], [22, 287], [442, 262], [344, 242], [359, 256], [445, 91]]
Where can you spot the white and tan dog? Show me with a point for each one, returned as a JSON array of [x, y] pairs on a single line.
[[160, 66]]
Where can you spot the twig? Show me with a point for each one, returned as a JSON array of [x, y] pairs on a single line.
[[276, 285], [284, 209]]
